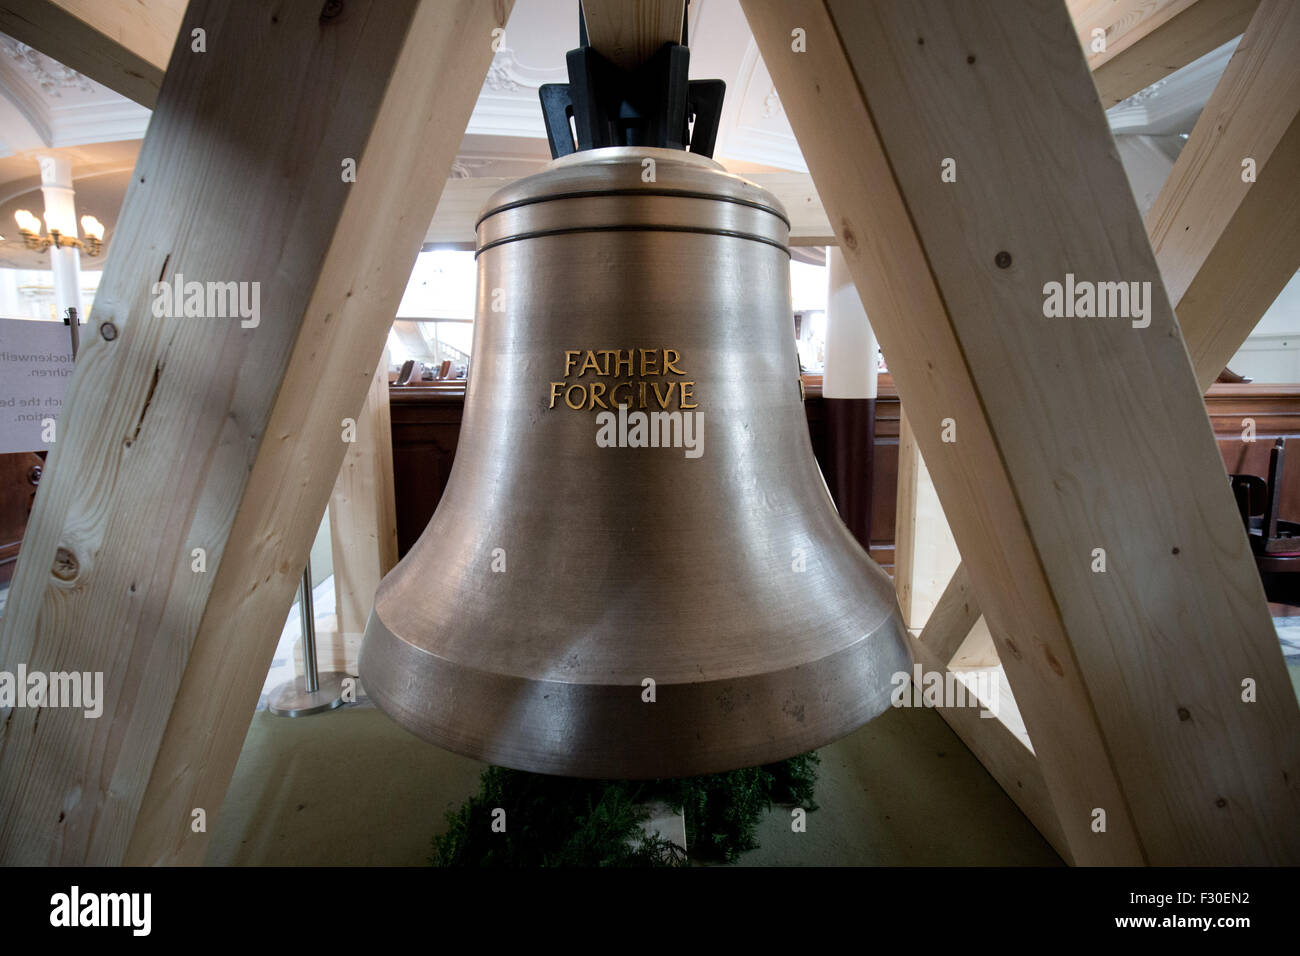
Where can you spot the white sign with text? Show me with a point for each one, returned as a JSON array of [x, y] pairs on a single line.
[[35, 365]]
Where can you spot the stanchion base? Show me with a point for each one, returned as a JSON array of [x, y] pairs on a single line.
[[292, 699]]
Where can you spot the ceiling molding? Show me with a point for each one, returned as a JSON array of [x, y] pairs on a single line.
[[48, 76], [35, 112], [105, 122], [25, 101], [1171, 104]]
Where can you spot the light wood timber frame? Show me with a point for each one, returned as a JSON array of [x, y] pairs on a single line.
[[123, 44], [363, 526], [925, 552], [1146, 40], [1126, 680], [1226, 246], [629, 32], [181, 433]]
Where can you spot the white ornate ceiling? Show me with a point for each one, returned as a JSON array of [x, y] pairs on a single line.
[[45, 106]]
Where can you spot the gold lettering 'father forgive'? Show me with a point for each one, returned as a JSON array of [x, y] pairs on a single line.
[[636, 378]]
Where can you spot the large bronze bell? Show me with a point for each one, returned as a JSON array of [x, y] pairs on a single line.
[[636, 570]]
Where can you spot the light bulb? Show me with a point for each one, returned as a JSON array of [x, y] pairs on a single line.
[[27, 222]]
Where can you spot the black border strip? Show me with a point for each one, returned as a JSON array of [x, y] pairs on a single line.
[[568, 230]]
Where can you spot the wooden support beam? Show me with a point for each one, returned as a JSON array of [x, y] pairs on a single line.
[[1227, 246], [463, 199], [123, 44], [925, 552], [1072, 434], [186, 433], [629, 32], [1146, 40], [977, 649], [363, 526], [1003, 755], [952, 618]]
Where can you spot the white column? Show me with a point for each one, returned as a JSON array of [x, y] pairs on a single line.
[[61, 214], [850, 342]]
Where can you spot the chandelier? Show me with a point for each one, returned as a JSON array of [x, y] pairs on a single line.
[[30, 228]]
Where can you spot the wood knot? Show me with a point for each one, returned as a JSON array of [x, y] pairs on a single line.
[[66, 566], [850, 239], [1053, 663], [1184, 713]]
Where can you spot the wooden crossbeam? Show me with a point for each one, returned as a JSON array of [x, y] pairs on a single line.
[[1072, 434], [925, 552], [207, 433], [1146, 40], [1225, 245], [629, 32], [123, 44], [363, 521], [952, 618]]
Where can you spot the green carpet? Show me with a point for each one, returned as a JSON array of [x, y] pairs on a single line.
[[352, 788]]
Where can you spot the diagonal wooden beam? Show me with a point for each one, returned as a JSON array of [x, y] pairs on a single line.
[[363, 525], [952, 618], [1072, 434], [925, 553], [1146, 40], [1225, 245], [123, 44], [206, 432]]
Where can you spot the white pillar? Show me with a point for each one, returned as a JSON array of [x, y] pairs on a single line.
[[850, 342], [61, 214]]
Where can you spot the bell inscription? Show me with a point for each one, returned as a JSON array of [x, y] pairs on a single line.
[[627, 366]]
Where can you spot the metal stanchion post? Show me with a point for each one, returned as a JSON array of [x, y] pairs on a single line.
[[70, 319], [313, 692]]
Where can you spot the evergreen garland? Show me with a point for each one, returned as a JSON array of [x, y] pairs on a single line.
[[563, 821]]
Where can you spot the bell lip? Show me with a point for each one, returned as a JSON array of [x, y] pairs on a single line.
[[700, 177], [777, 714]]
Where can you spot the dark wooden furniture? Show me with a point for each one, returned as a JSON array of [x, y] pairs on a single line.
[[426, 427], [884, 470], [1274, 540]]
